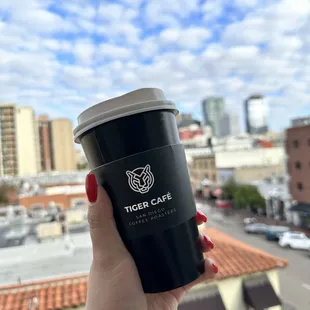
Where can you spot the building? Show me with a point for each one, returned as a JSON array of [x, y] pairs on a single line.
[[256, 115], [301, 121], [56, 144], [202, 169], [245, 275], [20, 154], [183, 116], [213, 109], [45, 143], [229, 125], [63, 153], [298, 167], [63, 197]]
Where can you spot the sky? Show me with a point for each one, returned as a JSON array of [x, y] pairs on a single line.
[[61, 57]]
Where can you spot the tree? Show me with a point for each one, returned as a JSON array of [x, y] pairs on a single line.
[[229, 189], [248, 196]]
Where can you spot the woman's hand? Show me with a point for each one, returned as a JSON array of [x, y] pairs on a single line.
[[114, 283]]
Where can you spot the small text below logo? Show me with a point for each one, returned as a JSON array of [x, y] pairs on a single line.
[[140, 179]]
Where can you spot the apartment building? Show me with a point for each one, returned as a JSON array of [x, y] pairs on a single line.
[[19, 146], [298, 167], [56, 144]]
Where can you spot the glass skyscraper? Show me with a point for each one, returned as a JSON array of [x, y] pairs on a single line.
[[213, 109]]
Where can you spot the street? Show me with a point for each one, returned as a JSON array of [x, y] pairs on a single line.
[[294, 280]]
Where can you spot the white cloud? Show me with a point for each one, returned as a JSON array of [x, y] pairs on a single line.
[[114, 52], [191, 38], [67, 63], [84, 51]]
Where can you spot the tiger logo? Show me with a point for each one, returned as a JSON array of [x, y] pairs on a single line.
[[140, 179]]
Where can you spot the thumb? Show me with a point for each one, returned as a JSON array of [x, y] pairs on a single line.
[[108, 247]]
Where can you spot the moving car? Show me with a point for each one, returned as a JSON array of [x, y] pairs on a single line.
[[273, 233], [295, 240], [256, 228]]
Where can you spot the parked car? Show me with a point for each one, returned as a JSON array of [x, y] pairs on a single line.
[[273, 233], [249, 220], [295, 240], [38, 212], [256, 228]]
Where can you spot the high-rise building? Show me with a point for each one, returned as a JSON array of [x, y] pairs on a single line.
[[213, 109], [62, 147], [56, 144], [256, 115], [45, 143], [229, 125], [19, 141]]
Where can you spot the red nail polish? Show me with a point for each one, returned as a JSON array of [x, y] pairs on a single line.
[[215, 269], [91, 187], [208, 241], [201, 216]]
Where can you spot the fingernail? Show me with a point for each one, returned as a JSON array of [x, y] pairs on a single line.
[[91, 187], [201, 216], [215, 269], [208, 241]]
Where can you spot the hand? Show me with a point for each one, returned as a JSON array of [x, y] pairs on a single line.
[[114, 282]]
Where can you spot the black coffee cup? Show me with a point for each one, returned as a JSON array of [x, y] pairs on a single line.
[[132, 146]]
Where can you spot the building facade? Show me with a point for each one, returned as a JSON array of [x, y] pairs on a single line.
[[20, 153], [229, 125], [56, 144], [63, 153], [298, 162], [213, 109], [203, 167], [45, 143], [256, 115], [298, 168]]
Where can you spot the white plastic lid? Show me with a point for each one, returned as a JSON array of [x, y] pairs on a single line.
[[137, 101]]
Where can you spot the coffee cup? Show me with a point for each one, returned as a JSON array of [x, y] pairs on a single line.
[[132, 145]]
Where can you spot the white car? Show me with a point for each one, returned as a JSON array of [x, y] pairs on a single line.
[[295, 240], [249, 220]]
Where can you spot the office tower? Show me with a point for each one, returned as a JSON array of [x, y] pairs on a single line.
[[19, 141], [45, 143], [256, 115], [62, 147], [229, 124], [213, 109]]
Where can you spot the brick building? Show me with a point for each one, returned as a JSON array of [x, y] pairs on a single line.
[[298, 166]]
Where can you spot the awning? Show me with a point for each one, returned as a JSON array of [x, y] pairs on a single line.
[[259, 293], [301, 207], [210, 299]]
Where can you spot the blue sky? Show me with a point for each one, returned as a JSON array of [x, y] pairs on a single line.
[[63, 56]]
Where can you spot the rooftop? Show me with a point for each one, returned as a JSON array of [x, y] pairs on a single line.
[[234, 258]]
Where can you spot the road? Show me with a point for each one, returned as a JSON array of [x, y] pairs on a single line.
[[294, 280]]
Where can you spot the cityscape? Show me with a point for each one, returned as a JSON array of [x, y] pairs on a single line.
[[238, 72]]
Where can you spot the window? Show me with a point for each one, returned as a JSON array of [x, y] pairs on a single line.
[[299, 186], [207, 176], [298, 165], [296, 144], [214, 177]]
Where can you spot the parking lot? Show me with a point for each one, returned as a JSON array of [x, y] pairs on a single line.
[[294, 280]]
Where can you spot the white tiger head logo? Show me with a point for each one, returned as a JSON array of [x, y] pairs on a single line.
[[140, 179]]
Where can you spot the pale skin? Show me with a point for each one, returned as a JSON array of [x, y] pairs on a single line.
[[114, 283]]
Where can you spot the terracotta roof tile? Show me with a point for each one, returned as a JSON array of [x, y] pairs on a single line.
[[234, 258]]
